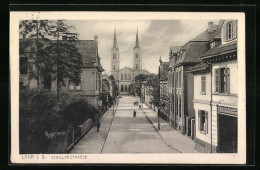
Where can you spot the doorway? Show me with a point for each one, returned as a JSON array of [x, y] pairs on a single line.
[[227, 134]]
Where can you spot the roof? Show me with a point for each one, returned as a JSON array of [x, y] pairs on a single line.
[[206, 36], [191, 52], [200, 66], [87, 48], [219, 49], [163, 70], [174, 49], [126, 68]]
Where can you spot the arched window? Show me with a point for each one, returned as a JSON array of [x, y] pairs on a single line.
[[129, 76], [122, 76]]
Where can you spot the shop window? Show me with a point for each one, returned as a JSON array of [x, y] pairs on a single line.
[[222, 76], [203, 121], [203, 85]]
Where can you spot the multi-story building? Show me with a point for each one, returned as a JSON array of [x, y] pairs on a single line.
[[215, 101], [164, 93], [186, 58], [126, 75], [90, 79]]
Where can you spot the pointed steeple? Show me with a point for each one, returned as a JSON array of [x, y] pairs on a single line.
[[137, 40], [115, 40]]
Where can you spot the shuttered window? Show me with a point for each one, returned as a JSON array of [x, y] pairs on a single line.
[[203, 121], [203, 85], [217, 80], [222, 76]]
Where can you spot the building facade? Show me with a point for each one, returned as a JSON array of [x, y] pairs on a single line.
[[216, 109], [126, 75], [89, 84]]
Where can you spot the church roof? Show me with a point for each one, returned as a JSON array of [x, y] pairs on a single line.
[[137, 40]]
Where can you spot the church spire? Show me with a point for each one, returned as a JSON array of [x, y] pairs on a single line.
[[115, 40], [137, 40]]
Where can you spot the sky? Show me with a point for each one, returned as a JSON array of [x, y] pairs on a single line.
[[155, 37]]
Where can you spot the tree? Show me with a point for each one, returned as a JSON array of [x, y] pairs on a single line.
[[154, 84], [114, 85], [54, 57], [138, 82]]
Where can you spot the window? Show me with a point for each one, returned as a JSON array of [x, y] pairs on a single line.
[[122, 76], [114, 56], [129, 76], [136, 66], [203, 121], [125, 88], [173, 80], [47, 82], [136, 55], [212, 44], [203, 85], [180, 79], [222, 76], [125, 76], [180, 107], [23, 65], [74, 85], [177, 77], [64, 37], [229, 30], [122, 88], [114, 66]]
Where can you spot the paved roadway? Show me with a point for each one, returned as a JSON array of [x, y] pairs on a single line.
[[130, 134]]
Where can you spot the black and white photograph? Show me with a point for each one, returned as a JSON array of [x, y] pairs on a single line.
[[128, 87]]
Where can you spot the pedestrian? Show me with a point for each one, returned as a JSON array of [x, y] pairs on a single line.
[[134, 113], [98, 123]]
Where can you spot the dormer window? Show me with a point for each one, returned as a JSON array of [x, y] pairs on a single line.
[[212, 44], [230, 30]]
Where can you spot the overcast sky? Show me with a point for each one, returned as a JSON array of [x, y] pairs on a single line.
[[155, 36]]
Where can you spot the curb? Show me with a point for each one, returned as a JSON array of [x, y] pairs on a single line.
[[160, 133]]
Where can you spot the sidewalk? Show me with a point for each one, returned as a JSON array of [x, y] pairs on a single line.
[[94, 141], [170, 135]]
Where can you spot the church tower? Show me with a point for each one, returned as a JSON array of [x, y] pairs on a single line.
[[137, 63], [115, 58]]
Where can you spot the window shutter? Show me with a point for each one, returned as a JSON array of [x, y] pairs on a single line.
[[206, 122], [217, 80], [235, 29], [224, 33], [199, 119], [227, 77]]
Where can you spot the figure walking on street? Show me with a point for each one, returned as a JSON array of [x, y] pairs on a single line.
[[134, 113], [98, 123]]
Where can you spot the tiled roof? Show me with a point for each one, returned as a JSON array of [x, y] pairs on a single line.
[[223, 48], [206, 36], [174, 49], [200, 66], [193, 51], [87, 48]]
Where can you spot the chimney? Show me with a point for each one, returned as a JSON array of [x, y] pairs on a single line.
[[96, 37], [210, 28]]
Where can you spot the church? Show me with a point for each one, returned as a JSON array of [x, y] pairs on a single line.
[[125, 76]]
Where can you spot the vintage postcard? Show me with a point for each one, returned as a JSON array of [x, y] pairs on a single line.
[[128, 87]]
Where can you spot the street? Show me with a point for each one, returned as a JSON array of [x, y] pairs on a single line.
[[127, 134]]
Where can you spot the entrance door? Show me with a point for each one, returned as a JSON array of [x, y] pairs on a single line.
[[227, 134]]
